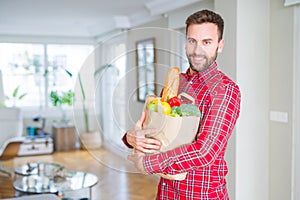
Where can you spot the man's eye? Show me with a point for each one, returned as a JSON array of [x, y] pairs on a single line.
[[207, 42], [192, 41]]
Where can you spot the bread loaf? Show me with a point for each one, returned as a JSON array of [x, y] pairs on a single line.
[[171, 84]]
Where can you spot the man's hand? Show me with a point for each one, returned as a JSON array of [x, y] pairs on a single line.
[[137, 159], [136, 137]]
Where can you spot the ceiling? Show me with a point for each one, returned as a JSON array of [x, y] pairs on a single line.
[[80, 18]]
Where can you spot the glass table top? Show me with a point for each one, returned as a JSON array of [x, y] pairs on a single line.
[[33, 168], [33, 182]]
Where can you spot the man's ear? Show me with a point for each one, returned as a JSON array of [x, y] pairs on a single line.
[[221, 45]]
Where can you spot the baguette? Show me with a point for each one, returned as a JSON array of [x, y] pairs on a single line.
[[171, 84]]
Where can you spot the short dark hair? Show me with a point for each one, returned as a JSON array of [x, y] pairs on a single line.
[[206, 16]]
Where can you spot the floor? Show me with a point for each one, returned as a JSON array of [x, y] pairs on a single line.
[[117, 177]]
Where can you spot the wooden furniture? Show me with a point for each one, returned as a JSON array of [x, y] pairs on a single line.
[[65, 138]]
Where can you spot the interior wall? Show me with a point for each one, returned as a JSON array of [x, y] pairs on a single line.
[[150, 30], [296, 130], [228, 64], [252, 141], [281, 99], [247, 60]]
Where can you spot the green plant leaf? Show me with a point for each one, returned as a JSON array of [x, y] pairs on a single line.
[[54, 97], [15, 92], [81, 87], [22, 96], [63, 98], [67, 98]]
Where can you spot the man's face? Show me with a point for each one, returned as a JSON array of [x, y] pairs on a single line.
[[202, 45]]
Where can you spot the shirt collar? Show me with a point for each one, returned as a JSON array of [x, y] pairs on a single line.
[[204, 74]]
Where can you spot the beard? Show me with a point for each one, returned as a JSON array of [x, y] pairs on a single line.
[[206, 61]]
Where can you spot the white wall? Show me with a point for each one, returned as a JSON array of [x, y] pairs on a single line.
[[281, 99], [248, 32], [228, 64], [253, 76], [296, 115], [265, 61], [161, 43]]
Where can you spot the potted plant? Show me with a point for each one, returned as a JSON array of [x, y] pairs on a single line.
[[14, 98], [60, 100]]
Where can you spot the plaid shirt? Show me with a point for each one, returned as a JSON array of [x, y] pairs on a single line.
[[218, 99]]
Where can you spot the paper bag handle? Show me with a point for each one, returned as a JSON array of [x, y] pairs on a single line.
[[189, 97], [159, 106]]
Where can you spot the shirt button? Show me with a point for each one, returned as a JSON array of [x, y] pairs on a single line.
[[163, 184]]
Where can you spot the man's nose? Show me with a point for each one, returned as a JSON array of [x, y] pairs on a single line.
[[199, 49]]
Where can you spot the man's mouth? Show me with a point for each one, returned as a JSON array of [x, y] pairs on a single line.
[[198, 59]]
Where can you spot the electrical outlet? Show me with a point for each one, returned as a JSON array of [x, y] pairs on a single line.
[[278, 116]]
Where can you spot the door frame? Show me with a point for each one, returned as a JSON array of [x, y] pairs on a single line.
[[296, 110]]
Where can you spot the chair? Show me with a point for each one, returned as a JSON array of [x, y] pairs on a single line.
[[11, 125], [10, 150]]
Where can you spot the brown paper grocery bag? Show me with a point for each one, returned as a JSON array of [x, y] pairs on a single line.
[[172, 131]]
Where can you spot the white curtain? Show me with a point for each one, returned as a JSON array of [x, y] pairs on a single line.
[[112, 88]]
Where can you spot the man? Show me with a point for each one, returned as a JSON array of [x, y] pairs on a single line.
[[218, 99]]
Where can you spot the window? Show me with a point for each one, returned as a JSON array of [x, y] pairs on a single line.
[[36, 69]]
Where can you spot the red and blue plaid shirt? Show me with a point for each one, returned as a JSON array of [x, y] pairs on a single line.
[[218, 99]]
